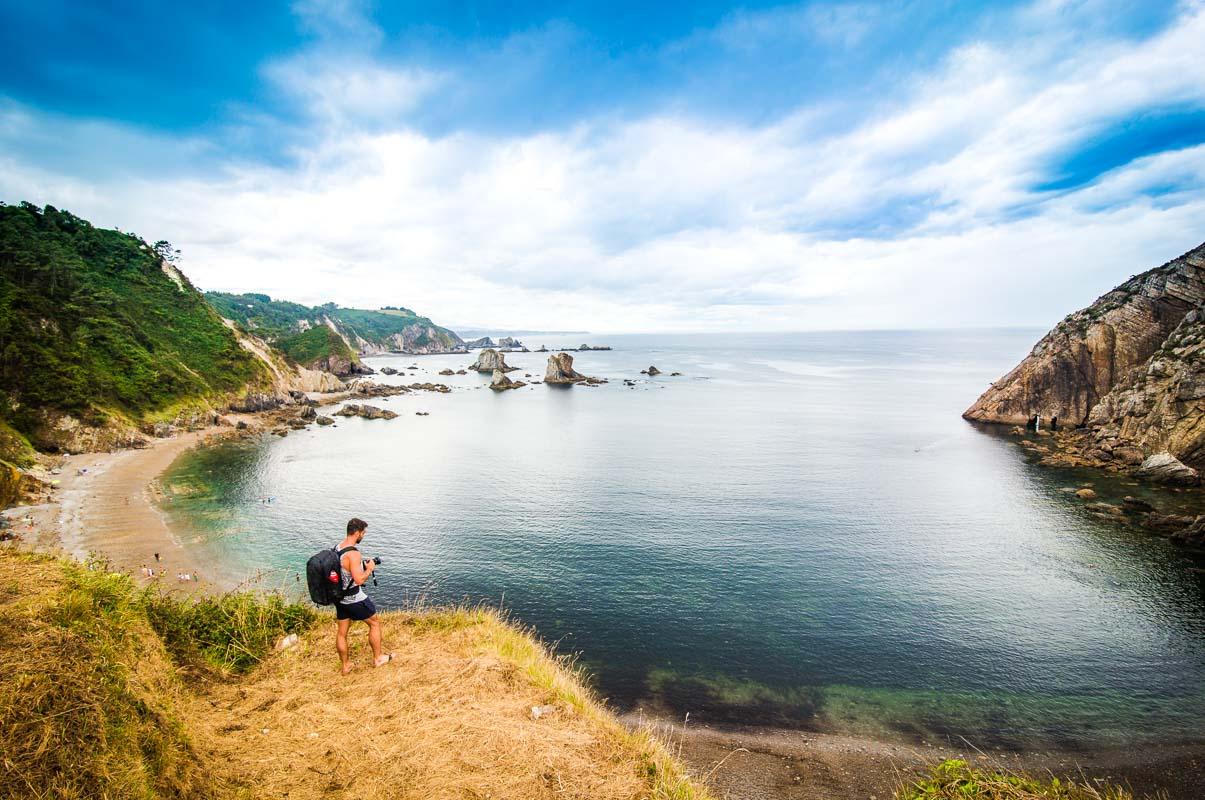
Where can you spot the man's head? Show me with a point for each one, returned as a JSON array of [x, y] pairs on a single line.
[[356, 528]]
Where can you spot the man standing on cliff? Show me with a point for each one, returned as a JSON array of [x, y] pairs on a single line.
[[356, 604]]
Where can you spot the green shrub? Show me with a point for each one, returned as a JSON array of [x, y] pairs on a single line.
[[232, 632], [957, 780]]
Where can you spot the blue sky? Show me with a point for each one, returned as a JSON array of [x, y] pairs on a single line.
[[621, 166]]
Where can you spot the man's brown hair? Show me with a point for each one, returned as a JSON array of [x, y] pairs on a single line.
[[355, 525]]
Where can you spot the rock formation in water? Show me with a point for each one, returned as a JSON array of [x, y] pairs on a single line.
[[489, 360], [560, 370], [484, 341], [501, 383], [365, 411], [651, 371], [1127, 372]]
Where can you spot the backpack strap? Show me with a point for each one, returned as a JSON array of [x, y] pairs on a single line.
[[342, 552]]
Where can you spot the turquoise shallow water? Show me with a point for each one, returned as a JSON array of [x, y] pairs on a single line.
[[800, 530]]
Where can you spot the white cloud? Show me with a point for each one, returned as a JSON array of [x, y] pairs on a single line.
[[675, 223]]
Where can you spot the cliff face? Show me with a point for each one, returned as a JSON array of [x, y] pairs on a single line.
[[1160, 406], [1094, 351], [1128, 371]]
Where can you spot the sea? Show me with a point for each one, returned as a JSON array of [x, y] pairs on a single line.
[[798, 531]]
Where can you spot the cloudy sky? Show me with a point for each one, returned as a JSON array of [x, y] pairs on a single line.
[[614, 166]]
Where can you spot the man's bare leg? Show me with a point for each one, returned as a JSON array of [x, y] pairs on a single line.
[[341, 644], [374, 639]]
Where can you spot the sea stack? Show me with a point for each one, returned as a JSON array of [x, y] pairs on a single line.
[[489, 360], [560, 370], [1128, 371], [501, 383]]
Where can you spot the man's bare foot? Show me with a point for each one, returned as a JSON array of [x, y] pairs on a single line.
[[383, 660], [348, 667]]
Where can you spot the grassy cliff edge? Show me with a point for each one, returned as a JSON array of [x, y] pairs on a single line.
[[108, 690]]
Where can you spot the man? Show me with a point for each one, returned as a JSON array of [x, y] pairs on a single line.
[[356, 605]]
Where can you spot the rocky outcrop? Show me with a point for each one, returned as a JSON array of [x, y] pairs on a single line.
[[253, 402], [1127, 371], [489, 360], [388, 371], [476, 344], [364, 411], [420, 339], [651, 371], [1160, 406], [11, 481], [373, 389], [501, 383], [1166, 468], [560, 370], [510, 343], [312, 380], [342, 365]]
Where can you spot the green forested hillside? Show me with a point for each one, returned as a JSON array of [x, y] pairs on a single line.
[[92, 323], [317, 344], [388, 328]]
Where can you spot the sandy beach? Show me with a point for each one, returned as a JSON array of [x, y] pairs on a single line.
[[105, 506]]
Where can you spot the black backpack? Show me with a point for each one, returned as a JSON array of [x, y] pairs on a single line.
[[323, 576]]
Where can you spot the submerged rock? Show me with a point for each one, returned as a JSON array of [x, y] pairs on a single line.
[[322, 420], [447, 372], [388, 371], [651, 371]]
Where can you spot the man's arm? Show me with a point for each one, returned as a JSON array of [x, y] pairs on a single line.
[[356, 567]]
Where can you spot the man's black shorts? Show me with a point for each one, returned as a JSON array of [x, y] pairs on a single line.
[[358, 611]]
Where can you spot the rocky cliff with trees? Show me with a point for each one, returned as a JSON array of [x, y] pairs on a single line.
[[358, 332]]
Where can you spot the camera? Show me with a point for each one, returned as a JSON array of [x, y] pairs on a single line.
[[375, 559]]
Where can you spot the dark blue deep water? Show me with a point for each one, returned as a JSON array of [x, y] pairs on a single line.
[[800, 530]]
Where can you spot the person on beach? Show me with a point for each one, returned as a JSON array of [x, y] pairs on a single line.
[[356, 605]]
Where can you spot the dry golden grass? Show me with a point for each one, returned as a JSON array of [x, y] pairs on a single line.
[[89, 700], [450, 717], [94, 705]]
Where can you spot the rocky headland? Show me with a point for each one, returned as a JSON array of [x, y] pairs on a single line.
[[1119, 385]]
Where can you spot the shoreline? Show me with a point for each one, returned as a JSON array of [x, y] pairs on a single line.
[[110, 511], [104, 505], [755, 763]]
